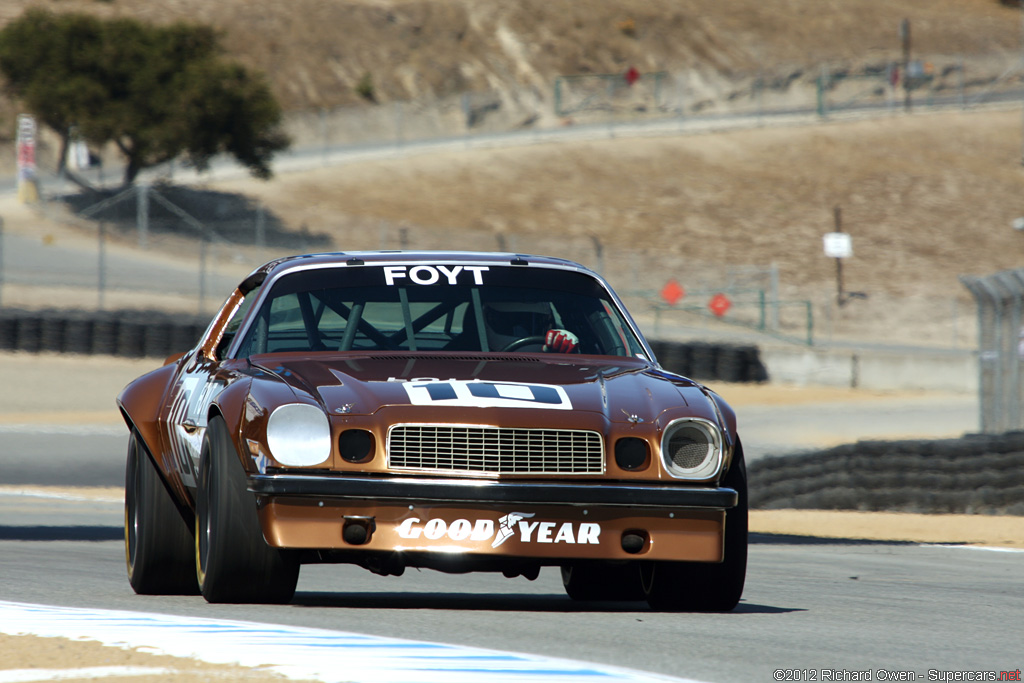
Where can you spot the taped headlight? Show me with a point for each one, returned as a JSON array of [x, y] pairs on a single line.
[[692, 449], [299, 435]]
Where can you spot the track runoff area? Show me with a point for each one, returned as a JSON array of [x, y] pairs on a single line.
[[294, 652]]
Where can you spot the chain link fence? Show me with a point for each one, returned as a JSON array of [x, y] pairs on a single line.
[[205, 242], [198, 244], [671, 98]]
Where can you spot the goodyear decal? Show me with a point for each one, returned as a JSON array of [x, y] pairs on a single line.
[[514, 524], [302, 653]]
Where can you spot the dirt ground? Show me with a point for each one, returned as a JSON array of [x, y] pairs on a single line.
[[42, 659]]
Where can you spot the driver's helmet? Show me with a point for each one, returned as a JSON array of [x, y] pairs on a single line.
[[508, 321]]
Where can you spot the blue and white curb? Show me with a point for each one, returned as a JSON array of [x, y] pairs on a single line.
[[306, 653]]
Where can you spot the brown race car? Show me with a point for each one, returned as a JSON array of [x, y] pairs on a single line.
[[454, 411]]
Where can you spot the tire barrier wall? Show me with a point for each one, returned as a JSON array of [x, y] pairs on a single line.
[[978, 473], [707, 361], [155, 334], [133, 334]]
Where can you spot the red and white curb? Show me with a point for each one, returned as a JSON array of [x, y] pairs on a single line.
[[294, 652]]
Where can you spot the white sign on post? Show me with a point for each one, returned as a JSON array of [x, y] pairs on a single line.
[[838, 245], [26, 150]]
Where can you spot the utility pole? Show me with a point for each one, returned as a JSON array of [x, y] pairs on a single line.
[[1022, 72], [1, 259], [840, 295], [905, 39], [839, 247]]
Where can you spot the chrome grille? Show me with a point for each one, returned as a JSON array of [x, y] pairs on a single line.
[[494, 450]]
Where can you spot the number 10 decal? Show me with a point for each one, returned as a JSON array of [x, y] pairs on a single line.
[[479, 394]]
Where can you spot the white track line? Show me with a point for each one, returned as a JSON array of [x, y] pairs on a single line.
[[68, 493], [305, 653], [958, 546], [64, 429], [84, 674]]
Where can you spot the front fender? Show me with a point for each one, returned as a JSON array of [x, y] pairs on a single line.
[[141, 401], [230, 405]]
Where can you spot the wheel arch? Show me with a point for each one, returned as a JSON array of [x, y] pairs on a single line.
[[183, 505], [230, 407], [141, 402]]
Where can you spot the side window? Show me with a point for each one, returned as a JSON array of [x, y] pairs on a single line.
[[609, 326], [286, 331], [236, 321]]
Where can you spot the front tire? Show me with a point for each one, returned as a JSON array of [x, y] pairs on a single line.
[[157, 539], [233, 561], [706, 586]]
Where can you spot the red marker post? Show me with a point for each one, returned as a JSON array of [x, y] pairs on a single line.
[[672, 292], [719, 304]]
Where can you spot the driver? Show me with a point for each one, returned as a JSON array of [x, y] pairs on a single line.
[[507, 323]]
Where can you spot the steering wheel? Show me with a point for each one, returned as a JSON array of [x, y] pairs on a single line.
[[524, 341]]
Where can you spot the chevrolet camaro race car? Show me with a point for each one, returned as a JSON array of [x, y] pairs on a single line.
[[454, 411]]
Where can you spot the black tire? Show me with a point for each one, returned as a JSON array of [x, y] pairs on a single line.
[[602, 581], [706, 586], [158, 541], [233, 561]]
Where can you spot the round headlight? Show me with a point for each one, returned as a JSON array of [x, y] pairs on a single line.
[[299, 435], [692, 449]]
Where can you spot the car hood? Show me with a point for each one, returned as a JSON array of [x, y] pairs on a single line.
[[464, 387]]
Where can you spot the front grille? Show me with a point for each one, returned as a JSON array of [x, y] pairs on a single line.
[[494, 450]]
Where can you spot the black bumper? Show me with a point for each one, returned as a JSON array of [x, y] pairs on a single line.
[[404, 489]]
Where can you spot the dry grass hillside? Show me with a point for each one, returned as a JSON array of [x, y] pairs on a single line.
[[926, 197], [315, 52]]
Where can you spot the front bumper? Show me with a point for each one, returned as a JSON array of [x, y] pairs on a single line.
[[491, 492], [546, 521]]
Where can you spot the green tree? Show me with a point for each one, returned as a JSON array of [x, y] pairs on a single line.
[[157, 92]]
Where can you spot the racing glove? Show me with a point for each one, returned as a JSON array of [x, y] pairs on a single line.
[[560, 341]]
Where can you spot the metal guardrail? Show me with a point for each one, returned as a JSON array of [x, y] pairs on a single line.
[[1000, 299], [751, 309]]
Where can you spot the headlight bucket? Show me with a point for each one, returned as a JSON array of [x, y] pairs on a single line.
[[631, 453], [356, 445], [692, 449], [299, 435]]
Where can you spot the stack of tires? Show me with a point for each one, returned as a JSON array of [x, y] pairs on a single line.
[[978, 473], [133, 334], [710, 361], [156, 334]]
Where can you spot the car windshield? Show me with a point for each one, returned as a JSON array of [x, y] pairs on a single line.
[[438, 307]]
